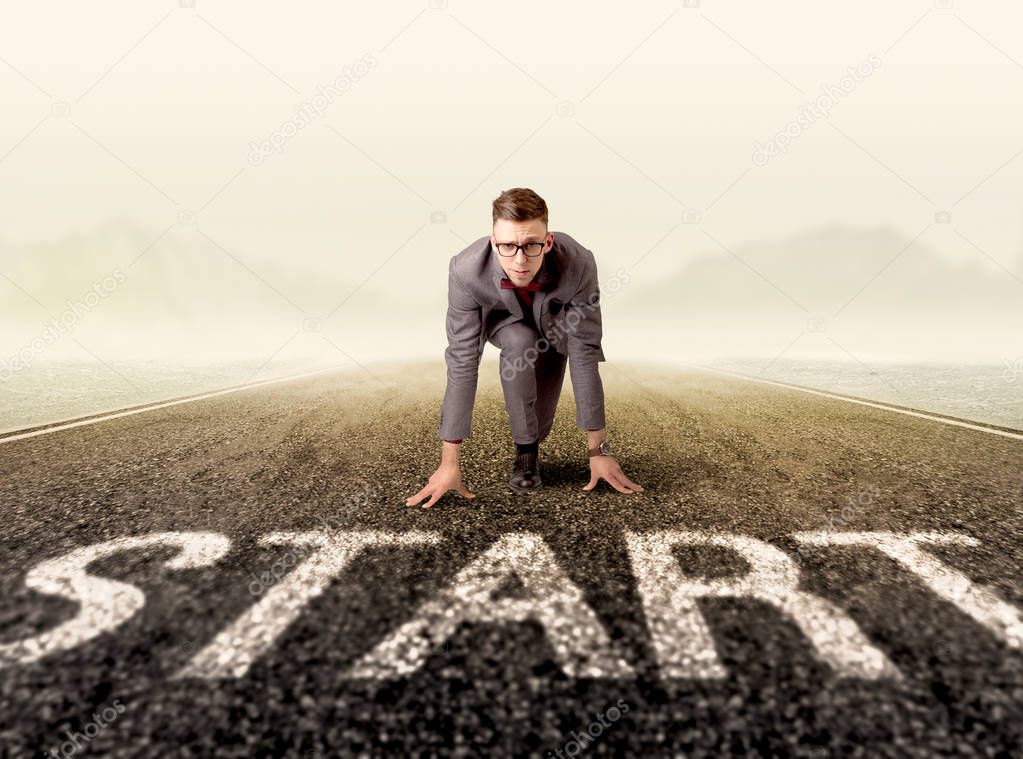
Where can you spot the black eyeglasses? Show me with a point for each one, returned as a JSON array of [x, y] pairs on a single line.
[[509, 249]]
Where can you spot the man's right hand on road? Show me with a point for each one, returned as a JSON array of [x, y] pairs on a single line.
[[444, 479]]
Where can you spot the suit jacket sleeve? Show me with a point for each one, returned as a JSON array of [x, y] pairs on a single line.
[[584, 334], [464, 327]]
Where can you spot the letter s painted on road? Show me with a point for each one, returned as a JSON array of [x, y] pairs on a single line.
[[105, 604]]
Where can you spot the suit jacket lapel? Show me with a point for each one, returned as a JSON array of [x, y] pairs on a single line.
[[548, 278]]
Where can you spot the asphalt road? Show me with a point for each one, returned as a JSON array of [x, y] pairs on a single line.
[[280, 598]]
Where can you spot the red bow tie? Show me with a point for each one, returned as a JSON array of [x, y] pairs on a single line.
[[507, 284]]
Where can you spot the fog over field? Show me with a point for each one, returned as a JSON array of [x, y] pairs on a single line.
[[277, 189], [832, 292]]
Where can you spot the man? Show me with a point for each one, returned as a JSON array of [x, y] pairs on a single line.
[[534, 296]]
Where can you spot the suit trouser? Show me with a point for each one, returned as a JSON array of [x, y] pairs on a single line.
[[531, 379]]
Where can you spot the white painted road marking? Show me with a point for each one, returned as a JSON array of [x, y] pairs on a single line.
[[822, 393], [154, 406], [233, 650], [979, 602], [105, 604], [682, 641], [872, 404], [580, 643]]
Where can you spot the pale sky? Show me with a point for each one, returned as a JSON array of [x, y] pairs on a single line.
[[128, 131]]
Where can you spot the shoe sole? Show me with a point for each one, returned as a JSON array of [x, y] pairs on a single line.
[[520, 489]]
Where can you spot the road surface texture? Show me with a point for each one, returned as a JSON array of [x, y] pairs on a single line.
[[239, 575]]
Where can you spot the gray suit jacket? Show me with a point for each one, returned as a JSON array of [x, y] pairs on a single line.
[[566, 310]]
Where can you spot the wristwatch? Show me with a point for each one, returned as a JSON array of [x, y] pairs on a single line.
[[604, 449]]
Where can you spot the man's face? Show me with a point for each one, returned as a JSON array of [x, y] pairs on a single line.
[[520, 268]]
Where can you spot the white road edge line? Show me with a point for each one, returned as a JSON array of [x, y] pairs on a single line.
[[822, 393], [164, 404], [921, 414]]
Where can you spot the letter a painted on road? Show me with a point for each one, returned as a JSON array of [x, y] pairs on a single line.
[[580, 643]]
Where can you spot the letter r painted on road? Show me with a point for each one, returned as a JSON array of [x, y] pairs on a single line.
[[681, 639]]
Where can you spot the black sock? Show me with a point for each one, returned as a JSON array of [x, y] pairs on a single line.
[[533, 447]]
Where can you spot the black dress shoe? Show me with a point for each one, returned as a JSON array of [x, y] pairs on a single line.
[[524, 476]]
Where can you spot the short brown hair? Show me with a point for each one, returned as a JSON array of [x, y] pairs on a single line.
[[520, 204]]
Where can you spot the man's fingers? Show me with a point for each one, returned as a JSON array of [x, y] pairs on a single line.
[[420, 495], [435, 492], [616, 481], [592, 483], [632, 484], [623, 478]]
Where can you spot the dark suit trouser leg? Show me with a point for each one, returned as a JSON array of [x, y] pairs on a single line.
[[531, 379]]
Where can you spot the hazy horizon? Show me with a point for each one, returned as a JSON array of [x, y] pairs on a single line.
[[889, 230]]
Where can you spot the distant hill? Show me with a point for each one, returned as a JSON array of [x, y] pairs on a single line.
[[919, 303], [185, 295], [187, 291]]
